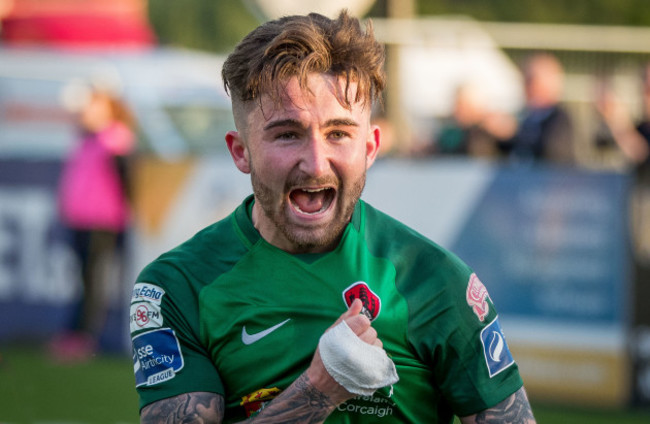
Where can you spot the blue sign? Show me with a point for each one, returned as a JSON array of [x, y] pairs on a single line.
[[552, 244], [40, 278]]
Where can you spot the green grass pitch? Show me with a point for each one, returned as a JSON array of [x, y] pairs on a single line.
[[36, 390]]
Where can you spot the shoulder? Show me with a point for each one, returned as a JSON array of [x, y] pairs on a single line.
[[198, 261], [560, 115], [378, 225], [387, 237], [423, 269]]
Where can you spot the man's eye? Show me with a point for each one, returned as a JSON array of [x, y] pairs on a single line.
[[338, 134], [287, 136]]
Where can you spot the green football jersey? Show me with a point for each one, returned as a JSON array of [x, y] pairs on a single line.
[[227, 312]]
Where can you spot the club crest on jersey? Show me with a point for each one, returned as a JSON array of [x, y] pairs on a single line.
[[477, 296], [371, 302]]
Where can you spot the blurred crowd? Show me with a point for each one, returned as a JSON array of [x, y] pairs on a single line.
[[544, 129]]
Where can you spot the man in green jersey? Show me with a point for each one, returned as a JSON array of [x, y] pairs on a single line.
[[306, 304]]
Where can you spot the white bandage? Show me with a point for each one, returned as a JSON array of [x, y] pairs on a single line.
[[356, 365]]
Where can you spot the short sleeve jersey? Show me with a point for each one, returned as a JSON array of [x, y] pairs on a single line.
[[229, 313]]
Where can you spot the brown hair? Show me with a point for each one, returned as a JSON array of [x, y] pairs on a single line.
[[121, 111], [295, 46]]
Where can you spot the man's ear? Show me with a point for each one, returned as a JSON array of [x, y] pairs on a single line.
[[238, 151], [372, 145]]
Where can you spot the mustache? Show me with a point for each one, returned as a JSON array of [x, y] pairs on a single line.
[[298, 181]]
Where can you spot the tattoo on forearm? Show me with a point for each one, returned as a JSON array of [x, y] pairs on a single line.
[[197, 407], [513, 410], [315, 397], [299, 403]]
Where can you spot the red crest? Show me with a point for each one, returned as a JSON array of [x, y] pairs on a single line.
[[371, 302], [477, 297]]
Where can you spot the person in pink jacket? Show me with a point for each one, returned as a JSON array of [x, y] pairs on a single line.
[[94, 205]]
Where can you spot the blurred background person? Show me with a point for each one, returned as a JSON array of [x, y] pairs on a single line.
[[94, 205], [545, 131], [632, 138], [472, 129]]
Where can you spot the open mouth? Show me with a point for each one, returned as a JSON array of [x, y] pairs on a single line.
[[310, 201]]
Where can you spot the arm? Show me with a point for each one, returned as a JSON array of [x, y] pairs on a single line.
[[620, 124], [301, 402], [309, 399], [197, 407], [515, 409]]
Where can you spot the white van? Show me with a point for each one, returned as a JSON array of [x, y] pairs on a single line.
[[176, 95]]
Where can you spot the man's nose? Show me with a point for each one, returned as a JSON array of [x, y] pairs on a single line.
[[315, 156]]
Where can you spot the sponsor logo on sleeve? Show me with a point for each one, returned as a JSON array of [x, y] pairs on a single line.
[[495, 349], [477, 296], [145, 292], [371, 302], [145, 315], [156, 357]]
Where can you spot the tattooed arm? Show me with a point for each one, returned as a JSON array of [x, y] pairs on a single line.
[[301, 402], [197, 407], [514, 410], [309, 399]]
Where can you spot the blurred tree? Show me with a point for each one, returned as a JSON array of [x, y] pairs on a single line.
[[211, 25], [217, 25], [597, 12]]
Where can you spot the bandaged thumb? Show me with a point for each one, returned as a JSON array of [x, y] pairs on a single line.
[[360, 367]]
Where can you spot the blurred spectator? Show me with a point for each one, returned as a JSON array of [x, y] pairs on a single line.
[[472, 129], [93, 203], [632, 139], [545, 131]]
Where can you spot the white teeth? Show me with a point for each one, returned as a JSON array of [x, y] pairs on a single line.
[[307, 213], [311, 190]]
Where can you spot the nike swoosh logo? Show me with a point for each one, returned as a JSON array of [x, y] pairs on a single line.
[[252, 338]]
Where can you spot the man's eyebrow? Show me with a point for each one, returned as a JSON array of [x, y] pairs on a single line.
[[336, 122], [283, 123], [341, 122]]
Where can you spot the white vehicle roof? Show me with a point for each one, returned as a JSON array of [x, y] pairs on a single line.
[[176, 95]]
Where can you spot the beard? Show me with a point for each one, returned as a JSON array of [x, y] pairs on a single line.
[[315, 237]]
